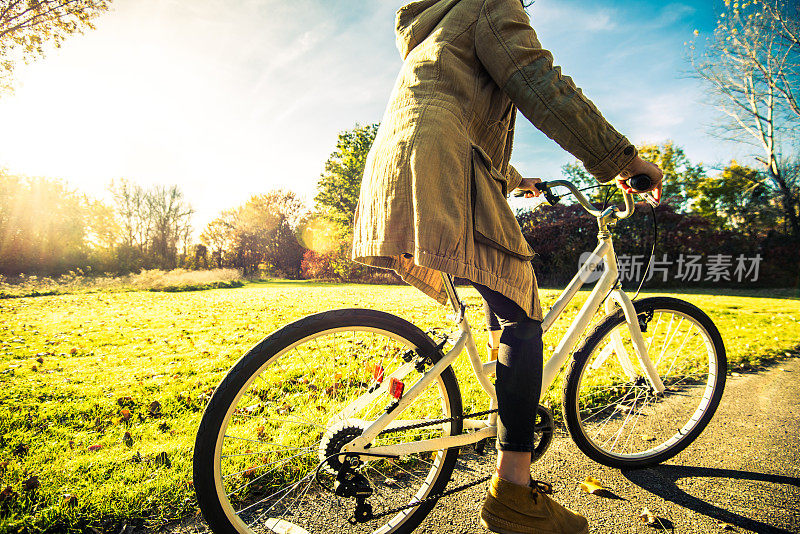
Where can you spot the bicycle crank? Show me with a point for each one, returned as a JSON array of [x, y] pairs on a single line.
[[543, 432]]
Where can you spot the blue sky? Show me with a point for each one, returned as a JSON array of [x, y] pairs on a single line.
[[233, 98]]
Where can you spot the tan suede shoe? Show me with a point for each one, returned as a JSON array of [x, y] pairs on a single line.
[[513, 509]]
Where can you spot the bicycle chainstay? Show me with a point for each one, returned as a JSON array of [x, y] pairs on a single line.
[[436, 496]]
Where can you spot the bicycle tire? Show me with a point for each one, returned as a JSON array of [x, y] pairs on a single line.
[[596, 402], [210, 485]]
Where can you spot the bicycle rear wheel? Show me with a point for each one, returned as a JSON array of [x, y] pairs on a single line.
[[280, 412], [612, 413]]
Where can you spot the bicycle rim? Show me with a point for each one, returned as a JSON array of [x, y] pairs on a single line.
[[617, 418], [287, 417]]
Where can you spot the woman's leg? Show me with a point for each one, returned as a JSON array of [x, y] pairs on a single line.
[[492, 325], [519, 379]]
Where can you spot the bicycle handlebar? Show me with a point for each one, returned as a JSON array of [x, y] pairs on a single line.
[[639, 183]]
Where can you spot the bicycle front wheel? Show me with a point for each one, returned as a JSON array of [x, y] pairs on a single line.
[[611, 411], [265, 454]]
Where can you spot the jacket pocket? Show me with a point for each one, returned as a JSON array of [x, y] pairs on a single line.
[[493, 221]]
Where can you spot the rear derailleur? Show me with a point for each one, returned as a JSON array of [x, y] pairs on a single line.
[[352, 484]]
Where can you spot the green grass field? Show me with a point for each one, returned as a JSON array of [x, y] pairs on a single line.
[[101, 393]]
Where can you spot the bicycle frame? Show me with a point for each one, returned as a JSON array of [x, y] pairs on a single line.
[[605, 290]]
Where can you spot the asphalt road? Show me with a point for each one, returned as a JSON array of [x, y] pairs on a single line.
[[741, 475]]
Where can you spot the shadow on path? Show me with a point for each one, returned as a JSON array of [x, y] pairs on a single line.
[[661, 480]]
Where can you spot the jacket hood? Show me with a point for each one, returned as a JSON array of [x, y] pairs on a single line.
[[416, 20]]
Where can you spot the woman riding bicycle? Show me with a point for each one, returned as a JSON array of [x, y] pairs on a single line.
[[433, 199]]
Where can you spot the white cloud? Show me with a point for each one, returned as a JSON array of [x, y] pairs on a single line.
[[573, 18], [230, 99]]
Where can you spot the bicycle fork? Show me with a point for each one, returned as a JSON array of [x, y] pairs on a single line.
[[640, 347]]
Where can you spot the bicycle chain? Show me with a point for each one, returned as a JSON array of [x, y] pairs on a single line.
[[433, 498], [436, 422]]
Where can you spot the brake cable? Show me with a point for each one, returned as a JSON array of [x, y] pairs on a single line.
[[609, 194]]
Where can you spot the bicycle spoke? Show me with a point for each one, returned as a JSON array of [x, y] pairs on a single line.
[[627, 420], [316, 378], [278, 462]]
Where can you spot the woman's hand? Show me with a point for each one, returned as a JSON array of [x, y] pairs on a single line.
[[529, 186], [640, 166]]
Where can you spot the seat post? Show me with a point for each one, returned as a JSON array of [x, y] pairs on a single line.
[[450, 289]]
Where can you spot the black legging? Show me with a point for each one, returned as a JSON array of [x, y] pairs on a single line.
[[519, 370]]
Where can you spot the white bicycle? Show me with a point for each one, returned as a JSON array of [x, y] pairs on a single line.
[[351, 420]]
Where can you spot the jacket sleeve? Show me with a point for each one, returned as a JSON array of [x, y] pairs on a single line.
[[508, 48], [514, 178]]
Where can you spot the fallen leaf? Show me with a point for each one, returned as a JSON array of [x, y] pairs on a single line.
[[69, 500], [250, 472], [40, 360], [163, 459], [591, 485], [647, 516], [34, 369], [95, 448], [73, 351], [31, 483], [7, 493], [127, 439], [126, 414], [154, 408]]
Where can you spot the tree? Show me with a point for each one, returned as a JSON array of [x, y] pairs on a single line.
[[155, 223], [261, 234], [28, 26], [786, 19], [42, 226], [133, 210], [736, 199], [751, 65], [218, 235], [170, 224], [340, 184]]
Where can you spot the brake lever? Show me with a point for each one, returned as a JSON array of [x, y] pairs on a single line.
[[544, 189], [650, 199]]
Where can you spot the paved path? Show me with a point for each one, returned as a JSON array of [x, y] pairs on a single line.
[[741, 475]]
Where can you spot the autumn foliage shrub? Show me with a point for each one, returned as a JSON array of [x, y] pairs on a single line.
[[560, 234]]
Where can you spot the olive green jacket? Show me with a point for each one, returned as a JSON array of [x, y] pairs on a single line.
[[433, 197]]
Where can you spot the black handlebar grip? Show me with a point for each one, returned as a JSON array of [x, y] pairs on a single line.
[[640, 183]]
